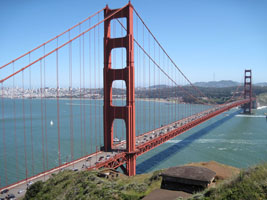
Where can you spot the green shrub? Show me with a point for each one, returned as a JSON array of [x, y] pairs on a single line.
[[249, 184], [34, 189]]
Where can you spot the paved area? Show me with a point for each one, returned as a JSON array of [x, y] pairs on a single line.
[[161, 194]]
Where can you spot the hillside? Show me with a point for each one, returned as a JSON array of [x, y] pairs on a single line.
[[230, 184], [87, 185], [217, 84], [249, 184], [264, 84], [225, 83]]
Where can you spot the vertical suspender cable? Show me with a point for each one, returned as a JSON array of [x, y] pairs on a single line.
[[15, 124], [144, 87], [24, 126], [58, 109], [80, 60], [165, 109], [149, 86], [169, 85], [95, 92], [70, 92], [42, 124], [154, 88], [91, 83], [30, 88], [175, 97], [84, 111], [4, 133], [167, 66], [159, 112], [45, 112]]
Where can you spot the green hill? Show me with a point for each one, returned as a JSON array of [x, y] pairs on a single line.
[[250, 184], [87, 185]]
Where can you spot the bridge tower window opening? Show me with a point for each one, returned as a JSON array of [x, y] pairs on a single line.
[[119, 93], [119, 130], [117, 27]]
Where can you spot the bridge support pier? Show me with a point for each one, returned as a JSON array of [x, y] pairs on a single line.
[[111, 112], [248, 91]]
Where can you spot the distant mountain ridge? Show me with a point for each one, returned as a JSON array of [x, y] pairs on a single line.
[[158, 86], [261, 84], [225, 83], [217, 84]]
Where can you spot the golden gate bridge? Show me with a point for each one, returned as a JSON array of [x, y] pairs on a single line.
[[110, 62]]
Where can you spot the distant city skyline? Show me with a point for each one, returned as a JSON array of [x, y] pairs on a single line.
[[208, 40]]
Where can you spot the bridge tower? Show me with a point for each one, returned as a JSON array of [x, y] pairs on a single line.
[[248, 91], [111, 112]]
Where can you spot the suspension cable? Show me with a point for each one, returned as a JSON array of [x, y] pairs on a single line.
[[56, 37]]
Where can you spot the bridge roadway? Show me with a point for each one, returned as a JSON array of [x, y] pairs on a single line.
[[117, 158]]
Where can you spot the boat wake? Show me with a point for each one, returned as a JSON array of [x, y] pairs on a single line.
[[261, 107], [229, 141], [251, 116]]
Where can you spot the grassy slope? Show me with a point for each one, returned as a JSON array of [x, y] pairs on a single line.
[[86, 185], [222, 171], [248, 185]]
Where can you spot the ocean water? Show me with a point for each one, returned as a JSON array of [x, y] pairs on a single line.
[[230, 138]]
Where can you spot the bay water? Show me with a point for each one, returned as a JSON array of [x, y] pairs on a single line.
[[230, 138]]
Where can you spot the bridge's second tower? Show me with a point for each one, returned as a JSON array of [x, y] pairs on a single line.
[[111, 112], [248, 91]]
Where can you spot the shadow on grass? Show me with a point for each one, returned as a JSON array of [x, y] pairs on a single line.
[[153, 161]]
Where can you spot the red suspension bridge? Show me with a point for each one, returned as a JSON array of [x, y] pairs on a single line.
[[61, 109]]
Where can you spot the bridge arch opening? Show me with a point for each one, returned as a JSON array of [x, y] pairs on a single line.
[[117, 27], [118, 58], [119, 93], [119, 132]]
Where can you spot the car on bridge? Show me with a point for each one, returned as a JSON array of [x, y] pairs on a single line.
[[101, 158], [21, 191], [10, 196], [4, 191]]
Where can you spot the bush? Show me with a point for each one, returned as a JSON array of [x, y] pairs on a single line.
[[250, 184], [34, 189]]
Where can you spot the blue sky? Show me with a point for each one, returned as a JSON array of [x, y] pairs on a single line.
[[208, 39]]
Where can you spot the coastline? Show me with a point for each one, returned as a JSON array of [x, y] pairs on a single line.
[[100, 99]]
